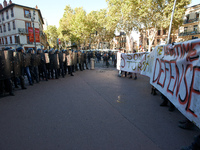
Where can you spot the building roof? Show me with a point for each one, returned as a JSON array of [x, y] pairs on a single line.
[[13, 4]]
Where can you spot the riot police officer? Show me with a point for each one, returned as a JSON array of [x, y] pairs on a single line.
[[70, 62], [61, 61], [6, 71], [33, 65], [17, 70], [54, 63], [25, 62], [42, 66]]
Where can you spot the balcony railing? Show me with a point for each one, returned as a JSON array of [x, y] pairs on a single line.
[[189, 33], [22, 31], [190, 21]]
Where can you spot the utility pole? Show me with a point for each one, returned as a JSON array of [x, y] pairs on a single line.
[[168, 39], [32, 20]]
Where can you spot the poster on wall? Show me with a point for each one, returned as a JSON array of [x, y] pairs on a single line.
[[31, 34]]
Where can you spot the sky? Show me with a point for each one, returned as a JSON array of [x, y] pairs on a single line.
[[53, 10]]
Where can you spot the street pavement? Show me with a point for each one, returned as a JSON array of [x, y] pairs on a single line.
[[92, 110]]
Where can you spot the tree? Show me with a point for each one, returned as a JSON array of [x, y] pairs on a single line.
[[148, 15], [72, 25], [156, 14], [97, 23], [52, 36], [122, 15]]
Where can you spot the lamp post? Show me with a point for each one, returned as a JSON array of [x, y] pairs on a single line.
[[168, 39], [32, 20]]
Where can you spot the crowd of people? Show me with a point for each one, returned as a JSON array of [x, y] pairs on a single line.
[[16, 64], [37, 65], [52, 64]]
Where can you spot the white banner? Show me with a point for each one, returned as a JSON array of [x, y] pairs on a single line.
[[132, 62], [176, 74], [174, 70]]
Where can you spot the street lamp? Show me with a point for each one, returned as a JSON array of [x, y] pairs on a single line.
[[32, 20]]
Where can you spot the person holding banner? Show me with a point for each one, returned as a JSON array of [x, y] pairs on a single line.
[[135, 78], [165, 103]]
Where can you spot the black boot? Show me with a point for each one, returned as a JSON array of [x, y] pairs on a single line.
[[171, 107]]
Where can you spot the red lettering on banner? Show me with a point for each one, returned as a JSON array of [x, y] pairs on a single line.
[[154, 80], [192, 55], [185, 49], [193, 44], [178, 82], [177, 48], [171, 77], [192, 90], [184, 100], [162, 71]]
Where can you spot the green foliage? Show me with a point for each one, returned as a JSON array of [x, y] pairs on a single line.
[[52, 35], [127, 15]]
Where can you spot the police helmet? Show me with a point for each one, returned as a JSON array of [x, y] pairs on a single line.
[[39, 51]]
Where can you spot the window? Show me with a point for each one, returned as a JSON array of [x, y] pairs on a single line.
[[28, 40], [158, 32], [12, 13], [0, 29], [195, 27], [27, 24], [164, 32], [2, 16], [17, 40], [8, 26], [26, 13], [6, 40], [4, 28], [187, 18], [7, 17], [185, 29], [14, 25], [0, 41], [10, 39], [197, 16]]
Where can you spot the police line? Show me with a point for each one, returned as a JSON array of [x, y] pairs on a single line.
[[174, 70]]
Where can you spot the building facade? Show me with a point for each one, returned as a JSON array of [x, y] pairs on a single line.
[[188, 30], [15, 21], [191, 24]]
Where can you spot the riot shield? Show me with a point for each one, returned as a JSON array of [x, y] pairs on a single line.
[[54, 61], [79, 57], [82, 58], [16, 64], [69, 60], [6, 64], [26, 59], [47, 60], [33, 60], [74, 60], [38, 59], [60, 57], [64, 57]]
